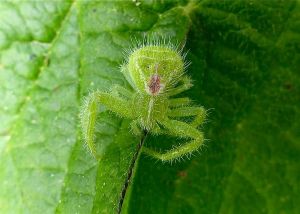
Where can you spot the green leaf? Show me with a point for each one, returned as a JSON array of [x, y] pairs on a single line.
[[39, 84], [245, 59], [52, 55]]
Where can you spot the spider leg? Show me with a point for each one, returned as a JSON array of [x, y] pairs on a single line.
[[179, 102], [120, 90], [90, 109], [156, 130], [124, 71], [186, 111], [180, 129], [186, 84], [135, 128]]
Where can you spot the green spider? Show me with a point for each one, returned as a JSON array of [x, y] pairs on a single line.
[[156, 73]]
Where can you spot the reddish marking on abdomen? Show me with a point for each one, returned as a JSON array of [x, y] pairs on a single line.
[[154, 84]]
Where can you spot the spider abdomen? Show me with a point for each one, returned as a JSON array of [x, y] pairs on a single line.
[[153, 69]]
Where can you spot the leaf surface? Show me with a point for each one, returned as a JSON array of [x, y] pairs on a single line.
[[245, 61]]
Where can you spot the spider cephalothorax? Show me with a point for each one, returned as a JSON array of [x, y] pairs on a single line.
[[156, 73]]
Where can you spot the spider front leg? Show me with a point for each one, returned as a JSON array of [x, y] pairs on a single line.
[[187, 111], [186, 83], [90, 110], [180, 129], [118, 90]]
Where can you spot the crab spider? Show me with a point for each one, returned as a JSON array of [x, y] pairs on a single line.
[[156, 74]]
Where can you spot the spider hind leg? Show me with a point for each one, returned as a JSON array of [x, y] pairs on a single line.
[[180, 129], [188, 111]]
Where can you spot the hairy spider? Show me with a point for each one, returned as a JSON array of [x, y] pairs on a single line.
[[156, 73]]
